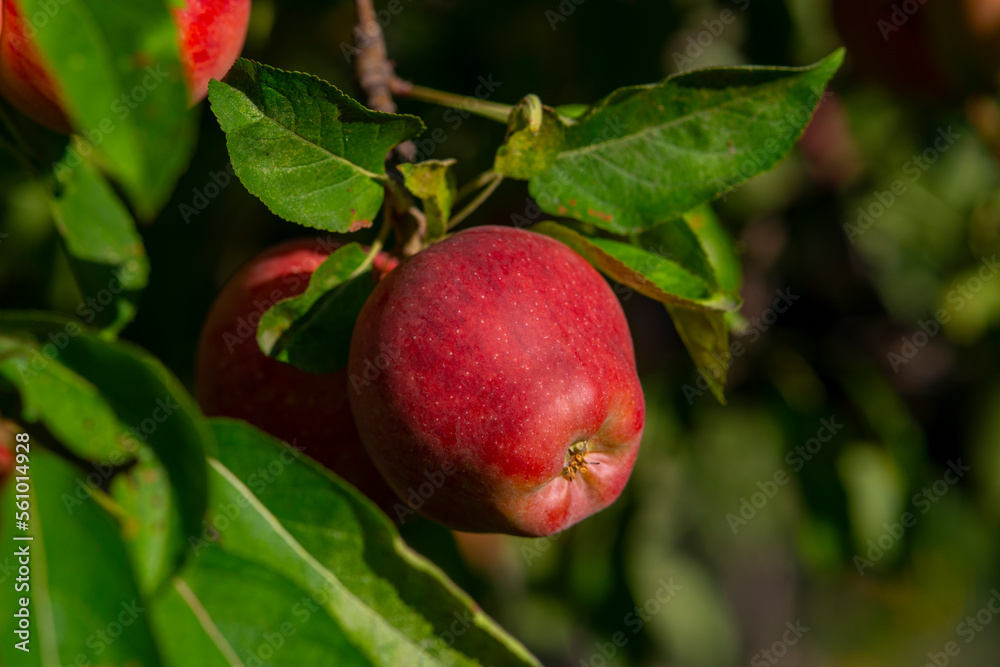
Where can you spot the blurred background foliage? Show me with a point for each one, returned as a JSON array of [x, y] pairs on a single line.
[[730, 545]]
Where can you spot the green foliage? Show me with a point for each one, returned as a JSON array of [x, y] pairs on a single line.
[[104, 247], [313, 330], [651, 153], [310, 152], [134, 117], [433, 182]]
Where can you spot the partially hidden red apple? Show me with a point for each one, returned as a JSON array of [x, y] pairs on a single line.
[[212, 33], [494, 384], [235, 379]]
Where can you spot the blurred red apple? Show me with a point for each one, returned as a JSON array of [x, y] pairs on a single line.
[[494, 384], [235, 379], [212, 33]]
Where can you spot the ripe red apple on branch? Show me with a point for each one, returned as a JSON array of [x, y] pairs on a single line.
[[212, 33], [235, 379], [495, 370]]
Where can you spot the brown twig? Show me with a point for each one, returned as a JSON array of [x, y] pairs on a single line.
[[374, 70], [375, 73]]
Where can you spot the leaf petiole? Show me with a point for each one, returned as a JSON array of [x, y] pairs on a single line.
[[480, 107], [459, 217]]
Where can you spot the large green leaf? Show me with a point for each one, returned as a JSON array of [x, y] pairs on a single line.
[[223, 610], [651, 153], [109, 402], [84, 605], [105, 248], [119, 70], [393, 606], [313, 330], [674, 272], [310, 152]]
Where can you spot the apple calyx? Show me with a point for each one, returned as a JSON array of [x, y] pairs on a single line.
[[576, 461]]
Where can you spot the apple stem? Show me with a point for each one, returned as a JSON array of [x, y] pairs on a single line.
[[475, 185], [374, 250], [492, 110], [494, 182]]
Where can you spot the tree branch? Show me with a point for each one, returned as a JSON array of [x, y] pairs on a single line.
[[373, 69]]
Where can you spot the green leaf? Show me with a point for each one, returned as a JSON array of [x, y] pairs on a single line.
[[676, 273], [150, 519], [651, 153], [82, 589], [718, 245], [311, 153], [68, 405], [313, 330], [122, 81], [223, 609], [433, 182], [535, 139], [572, 111], [105, 249], [395, 607], [706, 337], [65, 372]]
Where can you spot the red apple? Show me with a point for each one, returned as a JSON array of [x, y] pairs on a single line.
[[494, 384], [212, 33], [235, 379]]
